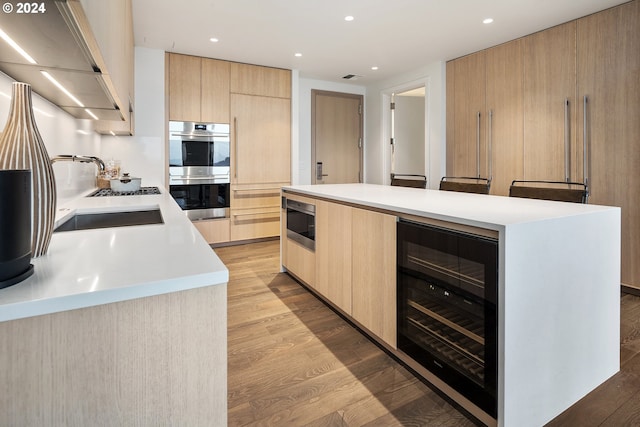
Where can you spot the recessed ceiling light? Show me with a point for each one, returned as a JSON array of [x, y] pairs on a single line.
[[214, 40], [298, 55], [374, 68], [348, 18], [488, 21]]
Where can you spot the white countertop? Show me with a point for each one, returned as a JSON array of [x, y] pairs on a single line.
[[85, 268], [481, 210]]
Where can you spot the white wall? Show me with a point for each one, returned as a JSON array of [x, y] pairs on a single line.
[[378, 153], [410, 126], [143, 155], [62, 134], [301, 148]]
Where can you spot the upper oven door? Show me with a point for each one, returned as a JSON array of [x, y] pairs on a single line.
[[198, 149]]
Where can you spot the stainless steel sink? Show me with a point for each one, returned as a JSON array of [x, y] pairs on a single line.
[[89, 221]]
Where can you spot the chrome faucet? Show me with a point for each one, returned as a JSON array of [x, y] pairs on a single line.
[[82, 159]]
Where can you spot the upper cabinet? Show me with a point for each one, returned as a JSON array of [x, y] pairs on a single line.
[[87, 46], [264, 81], [198, 89]]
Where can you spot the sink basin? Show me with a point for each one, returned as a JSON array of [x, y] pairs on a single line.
[[89, 221]]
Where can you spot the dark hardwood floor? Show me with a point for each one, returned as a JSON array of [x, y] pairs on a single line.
[[294, 362]]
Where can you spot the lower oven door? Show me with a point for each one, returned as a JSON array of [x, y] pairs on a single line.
[[202, 201]]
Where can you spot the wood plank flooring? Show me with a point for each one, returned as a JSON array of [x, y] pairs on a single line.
[[294, 362]]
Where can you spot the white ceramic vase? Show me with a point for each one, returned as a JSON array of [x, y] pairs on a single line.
[[21, 147]]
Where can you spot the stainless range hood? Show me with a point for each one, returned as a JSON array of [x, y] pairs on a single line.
[[60, 40]]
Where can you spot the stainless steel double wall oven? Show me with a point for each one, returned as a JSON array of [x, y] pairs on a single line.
[[199, 162]]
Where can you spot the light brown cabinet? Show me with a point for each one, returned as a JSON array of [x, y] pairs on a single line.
[[505, 92], [256, 102], [465, 116], [373, 278], [484, 115], [549, 104], [198, 89], [355, 263], [541, 82], [608, 54], [262, 81], [333, 253], [260, 165], [260, 139], [255, 211]]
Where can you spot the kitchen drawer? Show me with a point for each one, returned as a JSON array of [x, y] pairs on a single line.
[[256, 195], [214, 230], [301, 262], [255, 223]]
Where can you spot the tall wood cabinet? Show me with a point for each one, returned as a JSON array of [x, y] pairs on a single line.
[[465, 116], [484, 115], [535, 90], [609, 77], [260, 148], [549, 103]]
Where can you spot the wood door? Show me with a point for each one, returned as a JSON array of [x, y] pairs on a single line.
[[184, 87], [336, 137], [549, 82], [467, 126], [215, 91], [333, 253], [374, 273], [261, 139], [608, 64], [505, 128]]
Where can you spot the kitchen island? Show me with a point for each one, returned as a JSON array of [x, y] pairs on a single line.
[[117, 326], [557, 306]]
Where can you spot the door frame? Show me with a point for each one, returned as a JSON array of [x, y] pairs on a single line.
[[386, 126], [314, 94]]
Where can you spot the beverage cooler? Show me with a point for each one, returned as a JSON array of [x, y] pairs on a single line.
[[447, 308]]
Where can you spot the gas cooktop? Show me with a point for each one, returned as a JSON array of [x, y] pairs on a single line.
[[143, 191]]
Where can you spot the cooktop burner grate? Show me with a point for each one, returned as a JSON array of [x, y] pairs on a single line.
[[143, 191]]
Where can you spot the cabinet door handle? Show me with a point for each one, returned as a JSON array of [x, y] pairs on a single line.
[[478, 144], [235, 144], [567, 148], [490, 174], [585, 143]]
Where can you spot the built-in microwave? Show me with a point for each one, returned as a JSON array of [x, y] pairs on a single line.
[[301, 222]]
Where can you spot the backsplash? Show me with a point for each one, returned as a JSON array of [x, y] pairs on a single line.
[[62, 134]]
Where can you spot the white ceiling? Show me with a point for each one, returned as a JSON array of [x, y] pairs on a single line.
[[395, 35]]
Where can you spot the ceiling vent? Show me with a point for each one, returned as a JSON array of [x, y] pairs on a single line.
[[351, 77]]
